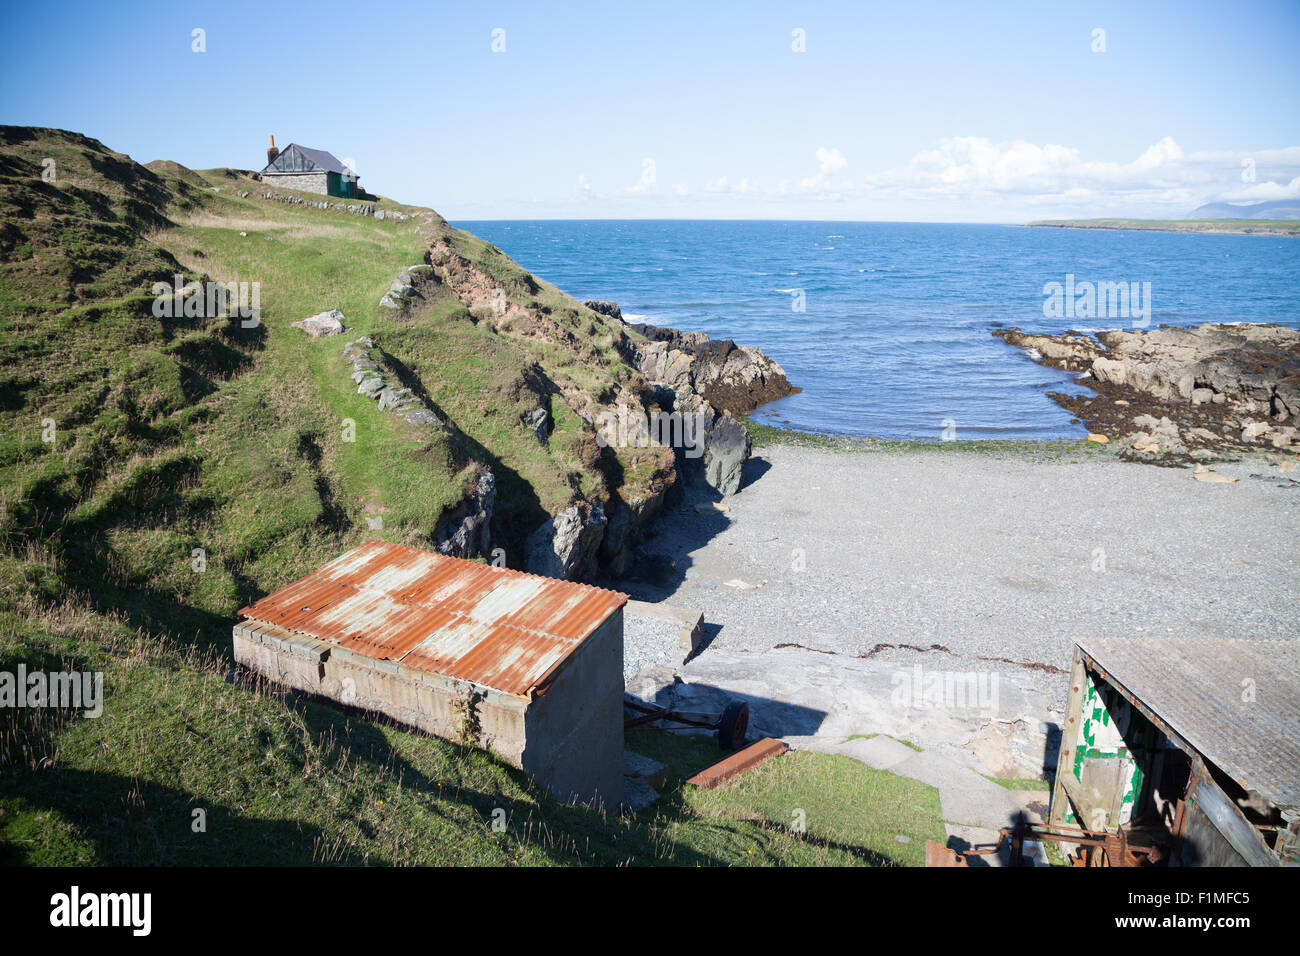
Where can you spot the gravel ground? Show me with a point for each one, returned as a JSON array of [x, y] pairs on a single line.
[[649, 642], [992, 559]]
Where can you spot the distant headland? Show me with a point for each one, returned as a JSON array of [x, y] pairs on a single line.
[[1236, 227]]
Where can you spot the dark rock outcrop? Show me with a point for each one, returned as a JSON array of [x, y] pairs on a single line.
[[714, 383], [538, 422], [627, 519], [688, 375], [726, 449], [466, 532], [605, 307], [567, 545], [732, 378]]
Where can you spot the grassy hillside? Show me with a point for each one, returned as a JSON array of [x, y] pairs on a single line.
[[156, 474]]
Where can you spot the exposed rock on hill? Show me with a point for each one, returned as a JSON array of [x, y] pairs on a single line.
[[467, 531], [402, 290], [321, 324], [605, 308], [568, 544], [1174, 392]]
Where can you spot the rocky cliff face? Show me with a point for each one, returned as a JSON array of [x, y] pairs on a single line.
[[467, 531], [567, 545], [687, 374], [733, 379], [717, 380], [1169, 391]]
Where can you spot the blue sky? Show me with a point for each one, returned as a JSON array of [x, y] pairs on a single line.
[[996, 112]]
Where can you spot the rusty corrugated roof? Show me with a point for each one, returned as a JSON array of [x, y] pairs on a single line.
[[500, 628]]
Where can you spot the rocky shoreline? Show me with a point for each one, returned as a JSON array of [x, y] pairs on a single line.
[[687, 373], [692, 374], [1176, 395]]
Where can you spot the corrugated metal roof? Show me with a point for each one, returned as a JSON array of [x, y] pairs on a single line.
[[500, 628], [1197, 685]]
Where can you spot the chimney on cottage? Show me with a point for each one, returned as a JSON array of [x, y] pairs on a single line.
[[271, 152]]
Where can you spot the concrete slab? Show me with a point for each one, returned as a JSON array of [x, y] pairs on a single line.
[[818, 701], [795, 692], [964, 795], [882, 753], [644, 768], [637, 794]]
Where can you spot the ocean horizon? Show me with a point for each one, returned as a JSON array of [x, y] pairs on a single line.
[[887, 326]]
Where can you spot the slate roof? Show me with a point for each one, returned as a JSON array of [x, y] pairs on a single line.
[[324, 161]]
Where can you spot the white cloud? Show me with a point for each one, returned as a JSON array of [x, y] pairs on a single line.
[[724, 185], [584, 189], [970, 175], [830, 161], [819, 187], [1260, 192], [647, 181], [1162, 177]]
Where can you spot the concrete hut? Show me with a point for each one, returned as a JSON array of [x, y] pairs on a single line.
[[528, 667]]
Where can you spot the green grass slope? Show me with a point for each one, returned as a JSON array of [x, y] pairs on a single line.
[[156, 474]]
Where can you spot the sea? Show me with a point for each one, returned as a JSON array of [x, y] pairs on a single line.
[[887, 327]]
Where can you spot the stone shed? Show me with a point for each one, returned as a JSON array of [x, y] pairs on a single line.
[[528, 667], [309, 170]]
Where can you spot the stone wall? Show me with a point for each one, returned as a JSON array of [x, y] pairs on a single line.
[[358, 209], [304, 182]]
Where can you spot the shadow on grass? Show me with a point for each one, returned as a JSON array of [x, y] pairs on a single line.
[[132, 822]]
